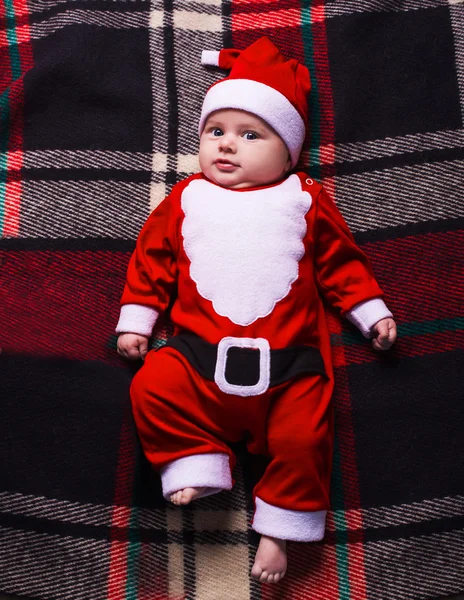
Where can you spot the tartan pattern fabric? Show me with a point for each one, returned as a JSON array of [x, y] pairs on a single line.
[[99, 104]]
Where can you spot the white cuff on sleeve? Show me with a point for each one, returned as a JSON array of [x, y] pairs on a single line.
[[285, 524], [137, 318], [366, 314], [211, 471]]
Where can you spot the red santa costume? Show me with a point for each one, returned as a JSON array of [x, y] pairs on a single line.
[[250, 357]]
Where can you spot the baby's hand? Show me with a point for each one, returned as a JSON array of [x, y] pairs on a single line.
[[384, 334], [132, 345]]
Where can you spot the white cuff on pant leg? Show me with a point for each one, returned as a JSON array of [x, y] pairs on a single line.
[[296, 525], [199, 470]]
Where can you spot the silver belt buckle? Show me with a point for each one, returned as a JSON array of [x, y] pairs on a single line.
[[262, 384]]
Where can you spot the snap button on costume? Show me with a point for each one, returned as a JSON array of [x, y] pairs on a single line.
[[250, 357]]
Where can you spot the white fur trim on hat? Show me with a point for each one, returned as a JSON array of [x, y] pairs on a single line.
[[285, 524], [263, 101]]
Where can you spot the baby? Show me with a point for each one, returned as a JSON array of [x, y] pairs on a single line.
[[246, 250]]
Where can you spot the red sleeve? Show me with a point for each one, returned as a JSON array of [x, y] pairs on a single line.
[[344, 274], [152, 270]]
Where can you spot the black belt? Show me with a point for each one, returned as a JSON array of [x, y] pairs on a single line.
[[242, 365]]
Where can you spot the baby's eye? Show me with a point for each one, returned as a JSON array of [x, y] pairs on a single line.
[[217, 132], [250, 135]]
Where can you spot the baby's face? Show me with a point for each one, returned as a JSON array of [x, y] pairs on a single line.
[[239, 150]]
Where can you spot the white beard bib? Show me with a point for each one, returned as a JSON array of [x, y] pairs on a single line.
[[244, 247]]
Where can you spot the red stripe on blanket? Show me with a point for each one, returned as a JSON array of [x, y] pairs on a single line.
[[61, 303], [23, 35], [352, 515], [420, 273], [13, 188], [285, 33], [354, 570], [5, 71], [325, 98], [266, 20], [263, 6], [121, 515]]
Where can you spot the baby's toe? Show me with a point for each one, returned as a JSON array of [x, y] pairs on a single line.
[[263, 577], [175, 498]]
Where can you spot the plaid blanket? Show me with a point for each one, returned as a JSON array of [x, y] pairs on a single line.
[[99, 103]]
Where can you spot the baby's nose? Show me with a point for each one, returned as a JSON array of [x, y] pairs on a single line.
[[227, 142]]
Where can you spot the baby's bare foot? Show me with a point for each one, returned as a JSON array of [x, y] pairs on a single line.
[[186, 495], [271, 560]]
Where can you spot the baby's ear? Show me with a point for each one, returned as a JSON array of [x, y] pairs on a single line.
[[288, 165]]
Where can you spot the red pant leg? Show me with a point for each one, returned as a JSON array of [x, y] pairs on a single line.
[[184, 422], [300, 444]]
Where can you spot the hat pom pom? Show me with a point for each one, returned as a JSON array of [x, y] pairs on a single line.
[[224, 59], [210, 58]]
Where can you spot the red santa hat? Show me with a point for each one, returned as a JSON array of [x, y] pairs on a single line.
[[262, 82]]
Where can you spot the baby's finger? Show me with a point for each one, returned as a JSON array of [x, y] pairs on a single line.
[[133, 352], [381, 330], [392, 334], [121, 350], [381, 343], [376, 345]]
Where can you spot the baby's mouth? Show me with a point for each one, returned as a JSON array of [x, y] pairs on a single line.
[[225, 165]]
